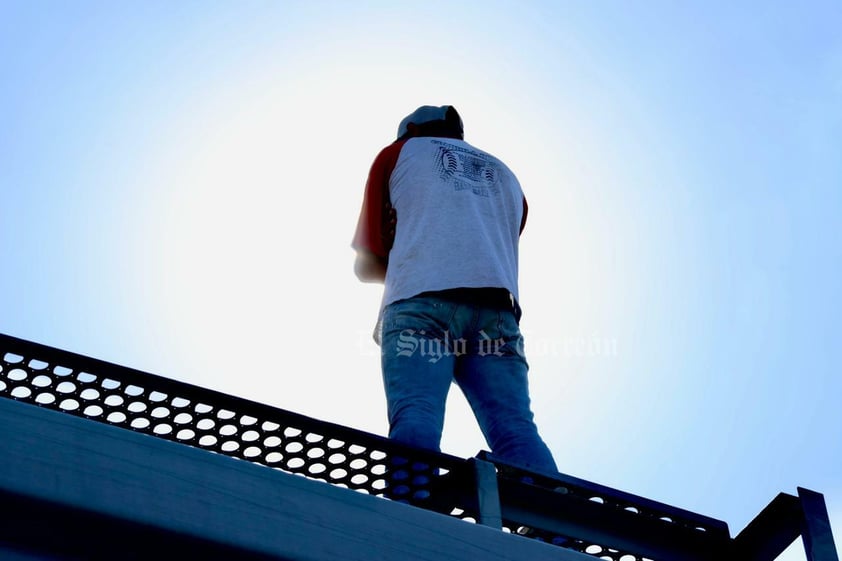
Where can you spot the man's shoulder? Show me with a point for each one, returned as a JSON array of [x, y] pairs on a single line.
[[393, 148], [388, 155]]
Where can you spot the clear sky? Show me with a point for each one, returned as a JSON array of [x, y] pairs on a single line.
[[180, 182]]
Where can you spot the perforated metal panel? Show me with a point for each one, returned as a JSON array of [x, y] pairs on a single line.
[[223, 424], [296, 444], [603, 522]]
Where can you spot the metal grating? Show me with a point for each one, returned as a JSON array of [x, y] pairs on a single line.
[[344, 457], [601, 521], [217, 422]]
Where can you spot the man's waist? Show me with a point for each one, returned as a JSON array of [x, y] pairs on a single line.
[[484, 296]]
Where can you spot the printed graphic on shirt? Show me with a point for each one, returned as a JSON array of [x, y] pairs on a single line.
[[468, 169]]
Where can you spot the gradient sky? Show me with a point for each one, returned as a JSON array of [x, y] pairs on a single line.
[[180, 182]]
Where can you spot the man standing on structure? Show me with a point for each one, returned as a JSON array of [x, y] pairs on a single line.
[[440, 226]]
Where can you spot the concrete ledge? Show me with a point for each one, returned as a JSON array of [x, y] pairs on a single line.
[[54, 464]]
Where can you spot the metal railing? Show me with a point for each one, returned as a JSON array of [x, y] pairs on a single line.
[[558, 509]]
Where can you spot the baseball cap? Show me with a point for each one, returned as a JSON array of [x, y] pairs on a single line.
[[426, 114]]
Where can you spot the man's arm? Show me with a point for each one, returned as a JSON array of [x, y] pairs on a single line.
[[369, 267], [375, 231]]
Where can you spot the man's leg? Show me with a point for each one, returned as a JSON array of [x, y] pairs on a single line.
[[417, 369], [417, 373], [493, 377]]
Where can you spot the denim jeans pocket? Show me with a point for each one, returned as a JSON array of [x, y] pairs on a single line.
[[510, 335]]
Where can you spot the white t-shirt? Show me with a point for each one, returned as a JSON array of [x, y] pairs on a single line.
[[459, 215]]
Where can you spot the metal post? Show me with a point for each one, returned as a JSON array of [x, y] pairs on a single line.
[[815, 527], [488, 496]]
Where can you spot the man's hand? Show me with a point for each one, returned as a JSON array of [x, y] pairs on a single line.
[[369, 267]]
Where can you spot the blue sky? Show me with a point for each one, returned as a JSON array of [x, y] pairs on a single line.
[[180, 182]]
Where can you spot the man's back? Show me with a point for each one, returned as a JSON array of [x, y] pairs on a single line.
[[459, 212]]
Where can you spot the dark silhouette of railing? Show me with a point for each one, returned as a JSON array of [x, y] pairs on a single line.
[[555, 508]]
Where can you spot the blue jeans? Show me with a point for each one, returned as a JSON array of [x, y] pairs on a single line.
[[430, 341]]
